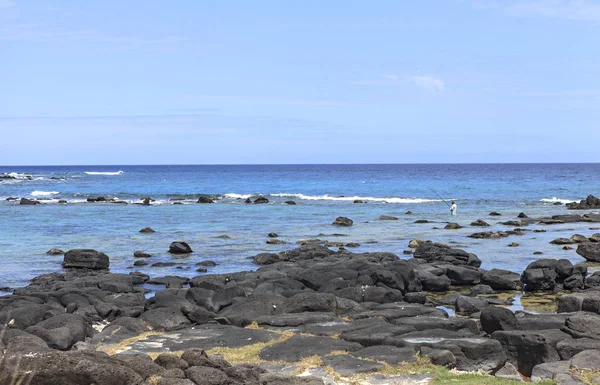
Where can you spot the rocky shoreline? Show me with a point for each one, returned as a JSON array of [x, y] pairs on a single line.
[[331, 316]]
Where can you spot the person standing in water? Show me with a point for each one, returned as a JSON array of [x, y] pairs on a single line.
[[453, 209]]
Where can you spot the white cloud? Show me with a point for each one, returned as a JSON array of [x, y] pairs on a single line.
[[429, 83]]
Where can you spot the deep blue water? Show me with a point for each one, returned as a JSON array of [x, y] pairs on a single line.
[[27, 232]]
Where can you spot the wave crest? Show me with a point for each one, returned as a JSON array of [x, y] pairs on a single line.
[[555, 199], [104, 173], [43, 193], [327, 197]]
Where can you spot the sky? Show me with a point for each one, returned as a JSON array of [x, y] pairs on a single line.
[[276, 82]]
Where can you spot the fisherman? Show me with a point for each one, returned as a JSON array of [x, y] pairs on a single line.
[[453, 209]]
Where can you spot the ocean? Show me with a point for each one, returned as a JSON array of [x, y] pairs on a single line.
[[322, 193]]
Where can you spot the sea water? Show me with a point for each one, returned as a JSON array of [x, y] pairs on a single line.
[[322, 193]]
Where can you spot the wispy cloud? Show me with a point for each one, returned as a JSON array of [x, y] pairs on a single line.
[[6, 3], [429, 83], [585, 10]]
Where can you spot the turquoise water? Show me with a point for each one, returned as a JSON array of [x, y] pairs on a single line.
[[27, 232]]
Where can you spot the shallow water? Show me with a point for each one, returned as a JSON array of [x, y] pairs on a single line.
[[27, 232]]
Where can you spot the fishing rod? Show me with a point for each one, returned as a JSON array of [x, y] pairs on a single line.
[[443, 200]]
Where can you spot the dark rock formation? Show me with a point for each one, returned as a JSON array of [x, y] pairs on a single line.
[[180, 248], [591, 202], [343, 221], [85, 259]]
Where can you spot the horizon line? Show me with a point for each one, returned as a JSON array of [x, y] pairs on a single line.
[[294, 164]]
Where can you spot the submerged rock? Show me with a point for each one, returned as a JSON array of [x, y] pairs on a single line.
[[343, 221]]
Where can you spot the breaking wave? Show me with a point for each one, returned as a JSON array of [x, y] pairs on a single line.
[[44, 193], [104, 173], [328, 197], [555, 199]]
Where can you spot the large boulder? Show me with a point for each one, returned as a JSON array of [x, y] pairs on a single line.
[[180, 248], [589, 251], [85, 259], [495, 318], [528, 348], [66, 368], [437, 252], [499, 279]]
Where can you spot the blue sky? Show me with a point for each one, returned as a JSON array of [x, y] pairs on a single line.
[[199, 82]]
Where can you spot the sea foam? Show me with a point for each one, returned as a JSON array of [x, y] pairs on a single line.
[[43, 193], [328, 197], [104, 173], [555, 199]]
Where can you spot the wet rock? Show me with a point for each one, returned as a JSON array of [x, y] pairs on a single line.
[[180, 248], [292, 203], [147, 230], [387, 218], [421, 221], [522, 215], [206, 263], [85, 259], [204, 200], [274, 241], [261, 200], [591, 202], [489, 235], [343, 221], [452, 226], [359, 201], [567, 248], [578, 238], [480, 222], [55, 251], [589, 251], [414, 243], [29, 202], [272, 234], [513, 244], [562, 241], [141, 254], [594, 237], [494, 214], [513, 223]]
